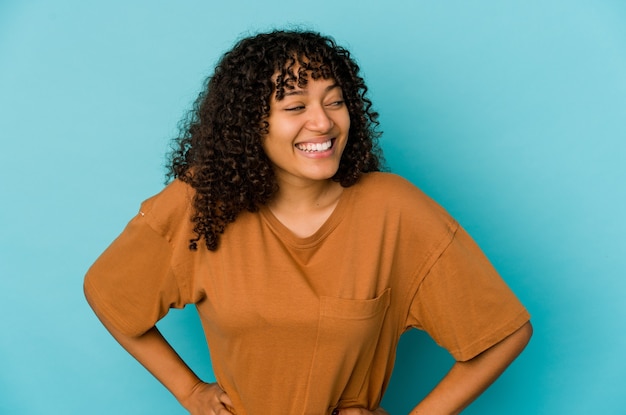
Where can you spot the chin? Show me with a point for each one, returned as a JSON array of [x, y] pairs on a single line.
[[324, 175]]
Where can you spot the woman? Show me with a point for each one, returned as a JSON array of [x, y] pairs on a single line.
[[305, 263]]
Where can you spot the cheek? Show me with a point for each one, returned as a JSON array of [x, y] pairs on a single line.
[[345, 119], [281, 137], [274, 147]]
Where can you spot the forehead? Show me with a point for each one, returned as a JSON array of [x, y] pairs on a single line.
[[320, 86], [296, 73]]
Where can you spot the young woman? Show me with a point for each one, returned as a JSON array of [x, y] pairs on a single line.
[[305, 263]]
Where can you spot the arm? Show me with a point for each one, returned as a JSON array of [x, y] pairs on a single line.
[[466, 380], [155, 354]]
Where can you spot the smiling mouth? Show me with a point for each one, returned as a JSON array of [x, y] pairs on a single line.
[[315, 147]]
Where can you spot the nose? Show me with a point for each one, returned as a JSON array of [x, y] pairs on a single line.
[[319, 119]]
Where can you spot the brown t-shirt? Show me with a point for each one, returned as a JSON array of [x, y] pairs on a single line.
[[304, 325]]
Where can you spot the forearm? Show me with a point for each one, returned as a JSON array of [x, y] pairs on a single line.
[[157, 355], [467, 380]]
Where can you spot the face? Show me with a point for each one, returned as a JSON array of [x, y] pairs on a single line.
[[308, 131]]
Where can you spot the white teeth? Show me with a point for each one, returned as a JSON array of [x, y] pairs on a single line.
[[313, 147]]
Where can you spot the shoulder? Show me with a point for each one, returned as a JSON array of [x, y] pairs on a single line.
[[396, 193], [390, 184], [400, 206], [169, 210]]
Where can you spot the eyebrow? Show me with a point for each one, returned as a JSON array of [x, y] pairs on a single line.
[[304, 90]]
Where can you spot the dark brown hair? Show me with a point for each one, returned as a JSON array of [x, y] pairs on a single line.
[[219, 150]]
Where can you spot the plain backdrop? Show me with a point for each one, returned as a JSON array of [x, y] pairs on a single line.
[[510, 114]]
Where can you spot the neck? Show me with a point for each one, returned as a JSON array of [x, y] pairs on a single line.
[[303, 209], [309, 196]]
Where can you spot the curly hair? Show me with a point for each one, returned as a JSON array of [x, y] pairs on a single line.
[[219, 151]]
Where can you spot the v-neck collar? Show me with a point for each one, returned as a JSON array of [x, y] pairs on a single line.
[[285, 234]]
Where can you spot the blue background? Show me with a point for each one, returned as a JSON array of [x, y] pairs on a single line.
[[512, 115]]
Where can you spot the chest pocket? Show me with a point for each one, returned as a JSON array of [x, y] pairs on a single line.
[[348, 333]]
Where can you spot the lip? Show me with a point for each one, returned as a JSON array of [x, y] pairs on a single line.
[[317, 140], [317, 154]]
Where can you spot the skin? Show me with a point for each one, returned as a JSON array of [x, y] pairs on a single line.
[[466, 380], [316, 114], [313, 116], [306, 198]]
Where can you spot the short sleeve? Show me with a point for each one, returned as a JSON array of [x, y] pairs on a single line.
[[132, 284], [463, 303]]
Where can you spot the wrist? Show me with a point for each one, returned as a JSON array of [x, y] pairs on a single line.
[[185, 395]]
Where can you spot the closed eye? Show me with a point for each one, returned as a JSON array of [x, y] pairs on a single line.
[[336, 103], [295, 108]]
